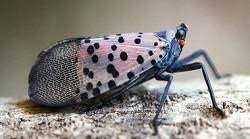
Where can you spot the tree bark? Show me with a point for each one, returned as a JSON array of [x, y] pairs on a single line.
[[188, 113]]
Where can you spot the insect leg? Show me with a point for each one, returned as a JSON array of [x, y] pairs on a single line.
[[207, 58], [162, 77], [196, 66]]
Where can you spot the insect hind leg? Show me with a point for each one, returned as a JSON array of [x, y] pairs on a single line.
[[197, 66], [162, 77], [198, 54]]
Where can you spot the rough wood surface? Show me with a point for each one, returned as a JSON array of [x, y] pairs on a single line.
[[186, 114]]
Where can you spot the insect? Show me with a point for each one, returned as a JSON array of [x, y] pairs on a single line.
[[94, 70]]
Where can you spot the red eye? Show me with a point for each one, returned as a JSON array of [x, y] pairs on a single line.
[[182, 42]]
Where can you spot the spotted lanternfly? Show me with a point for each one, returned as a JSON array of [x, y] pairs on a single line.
[[94, 70]]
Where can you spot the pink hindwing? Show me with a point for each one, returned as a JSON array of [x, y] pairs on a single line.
[[107, 62]]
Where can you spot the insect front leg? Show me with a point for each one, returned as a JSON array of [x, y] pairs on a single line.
[[162, 77], [203, 53], [197, 66]]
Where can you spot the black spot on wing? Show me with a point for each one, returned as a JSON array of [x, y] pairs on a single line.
[[111, 84], [153, 61], [110, 68], [89, 86], [85, 71], [156, 43], [121, 40], [137, 41], [113, 47], [96, 45], [130, 75], [150, 53], [90, 49], [99, 83], [140, 59], [123, 56], [115, 73], [94, 58], [91, 75], [110, 57]]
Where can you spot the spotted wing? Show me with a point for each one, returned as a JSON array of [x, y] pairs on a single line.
[[107, 62]]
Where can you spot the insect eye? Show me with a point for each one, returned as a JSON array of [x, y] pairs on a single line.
[[181, 34]]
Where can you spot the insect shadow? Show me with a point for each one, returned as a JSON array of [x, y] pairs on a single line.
[[31, 107]]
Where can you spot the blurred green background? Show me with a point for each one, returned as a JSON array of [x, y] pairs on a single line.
[[222, 27]]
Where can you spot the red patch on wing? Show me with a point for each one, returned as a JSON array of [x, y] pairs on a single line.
[[83, 53]]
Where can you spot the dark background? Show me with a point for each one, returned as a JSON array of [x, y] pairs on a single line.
[[28, 26]]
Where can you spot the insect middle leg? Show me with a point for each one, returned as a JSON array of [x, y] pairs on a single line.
[[203, 53], [162, 77], [197, 66]]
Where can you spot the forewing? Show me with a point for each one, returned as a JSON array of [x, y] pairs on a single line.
[[107, 62]]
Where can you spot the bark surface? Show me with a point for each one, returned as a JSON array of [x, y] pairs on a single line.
[[188, 113]]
